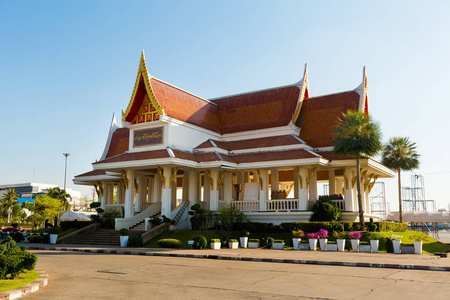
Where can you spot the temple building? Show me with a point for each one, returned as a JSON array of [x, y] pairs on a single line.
[[263, 152]]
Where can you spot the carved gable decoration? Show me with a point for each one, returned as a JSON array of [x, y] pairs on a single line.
[[147, 112]]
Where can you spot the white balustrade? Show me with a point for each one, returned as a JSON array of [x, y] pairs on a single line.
[[339, 203], [245, 205], [115, 207], [282, 205]]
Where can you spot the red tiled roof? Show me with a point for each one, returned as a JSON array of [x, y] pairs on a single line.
[[272, 141], [186, 107], [319, 115], [330, 155], [119, 142], [136, 156], [92, 173], [257, 110]]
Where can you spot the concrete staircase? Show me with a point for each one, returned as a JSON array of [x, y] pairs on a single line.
[[100, 237]]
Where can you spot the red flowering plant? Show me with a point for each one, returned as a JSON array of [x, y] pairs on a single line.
[[419, 237], [322, 233], [298, 233], [355, 235], [312, 235]]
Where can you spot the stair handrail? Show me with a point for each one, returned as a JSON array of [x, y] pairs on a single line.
[[181, 210], [127, 223]]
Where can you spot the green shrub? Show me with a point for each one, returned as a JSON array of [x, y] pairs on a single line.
[[46, 238], [267, 241], [389, 246], [135, 241], [124, 231], [253, 240], [35, 238], [278, 241], [95, 204], [74, 224], [17, 236], [54, 230], [233, 241], [109, 217], [215, 240], [15, 260], [325, 210], [199, 242], [169, 243], [29, 260]]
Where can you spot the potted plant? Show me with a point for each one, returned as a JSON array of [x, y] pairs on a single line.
[[396, 242], [313, 237], [244, 238], [233, 244], [340, 240], [173, 225], [323, 234], [278, 245], [374, 245], [418, 242], [297, 236], [124, 237], [253, 243], [364, 247], [54, 231], [354, 237], [215, 244]]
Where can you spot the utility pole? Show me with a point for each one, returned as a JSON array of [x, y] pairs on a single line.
[[65, 170]]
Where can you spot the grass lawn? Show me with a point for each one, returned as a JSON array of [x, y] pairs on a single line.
[[66, 232], [23, 279]]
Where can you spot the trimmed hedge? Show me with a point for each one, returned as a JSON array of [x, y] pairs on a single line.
[[74, 224], [169, 243], [199, 242], [35, 238]]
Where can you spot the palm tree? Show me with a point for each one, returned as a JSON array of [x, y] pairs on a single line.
[[9, 199], [400, 154], [62, 195], [358, 136]]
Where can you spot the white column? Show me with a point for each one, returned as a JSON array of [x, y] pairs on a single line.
[[297, 184], [166, 194], [214, 192], [185, 186], [102, 198], [264, 193], [156, 189], [302, 189], [140, 197], [119, 193], [348, 191], [313, 188], [150, 189], [331, 182], [206, 188], [366, 195], [228, 187], [106, 194], [193, 187], [355, 193], [339, 186], [274, 180], [129, 194]]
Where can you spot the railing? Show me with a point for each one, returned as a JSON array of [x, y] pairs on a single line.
[[245, 205], [115, 207], [179, 211], [339, 203], [153, 209], [146, 205], [222, 204], [148, 235], [282, 205]]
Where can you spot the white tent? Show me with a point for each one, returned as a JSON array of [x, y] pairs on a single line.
[[420, 216], [70, 215]]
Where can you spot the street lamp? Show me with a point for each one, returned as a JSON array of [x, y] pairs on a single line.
[[65, 170]]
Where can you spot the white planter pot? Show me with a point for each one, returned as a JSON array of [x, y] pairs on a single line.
[[295, 242], [53, 238], [340, 245], [364, 248], [418, 247], [302, 246], [244, 241], [214, 246], [253, 245], [396, 246], [323, 244], [233, 245], [312, 244], [332, 247], [355, 244], [278, 246], [123, 240], [374, 245]]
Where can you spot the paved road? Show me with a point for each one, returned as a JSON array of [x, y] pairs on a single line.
[[105, 276]]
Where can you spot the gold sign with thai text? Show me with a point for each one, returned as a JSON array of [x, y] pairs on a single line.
[[148, 137]]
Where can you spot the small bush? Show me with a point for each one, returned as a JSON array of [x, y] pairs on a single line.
[[35, 238], [135, 241], [278, 241], [233, 241], [267, 241], [124, 231], [389, 246], [55, 230], [95, 204], [199, 242], [215, 240], [109, 218], [253, 240], [169, 243], [17, 236], [244, 232]]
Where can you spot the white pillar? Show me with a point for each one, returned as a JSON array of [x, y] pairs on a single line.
[[140, 197], [331, 182], [227, 187], [206, 188], [185, 186], [339, 186], [193, 187], [348, 191], [119, 193], [166, 194], [264, 193], [149, 189], [313, 187], [274, 180], [129, 194], [156, 189], [302, 189], [297, 184], [174, 201], [355, 193], [103, 198], [214, 192], [366, 195]]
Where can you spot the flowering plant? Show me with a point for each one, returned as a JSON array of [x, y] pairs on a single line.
[[419, 238], [355, 235], [313, 235], [396, 237], [298, 233], [322, 233]]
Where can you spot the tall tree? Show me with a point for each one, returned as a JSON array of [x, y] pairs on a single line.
[[45, 207], [8, 201], [400, 154], [357, 135], [62, 195]]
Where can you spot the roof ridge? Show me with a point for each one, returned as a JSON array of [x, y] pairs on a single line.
[[180, 89], [255, 91]]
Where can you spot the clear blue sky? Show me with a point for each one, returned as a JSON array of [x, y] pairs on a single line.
[[67, 66]]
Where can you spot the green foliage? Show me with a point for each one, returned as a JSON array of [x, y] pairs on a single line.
[[400, 153], [389, 245], [17, 236], [267, 241], [35, 238], [124, 231], [325, 210], [278, 241], [244, 233], [65, 225], [199, 242], [14, 260], [170, 243], [95, 205], [9, 200], [135, 241], [108, 219], [62, 196], [253, 240], [233, 241], [215, 240], [45, 207], [156, 221], [54, 230], [229, 216], [201, 218], [258, 227], [372, 226]]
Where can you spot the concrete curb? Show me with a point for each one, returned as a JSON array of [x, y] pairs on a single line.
[[26, 289], [272, 260]]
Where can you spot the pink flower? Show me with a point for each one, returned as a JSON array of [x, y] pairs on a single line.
[[355, 235]]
